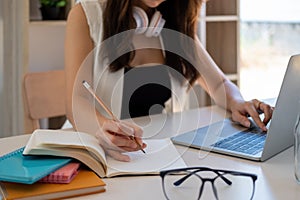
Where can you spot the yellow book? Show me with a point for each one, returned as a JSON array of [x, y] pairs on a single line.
[[86, 182]]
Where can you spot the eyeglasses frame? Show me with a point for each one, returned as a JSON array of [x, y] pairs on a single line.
[[219, 172]]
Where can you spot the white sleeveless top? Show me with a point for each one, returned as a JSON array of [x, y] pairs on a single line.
[[109, 85]]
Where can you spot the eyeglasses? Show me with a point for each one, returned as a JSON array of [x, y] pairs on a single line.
[[188, 183]]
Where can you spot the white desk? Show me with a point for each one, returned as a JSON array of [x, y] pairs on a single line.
[[275, 176]]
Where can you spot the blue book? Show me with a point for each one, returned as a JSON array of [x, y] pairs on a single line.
[[15, 167]]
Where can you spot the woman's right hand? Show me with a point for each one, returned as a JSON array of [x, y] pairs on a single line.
[[115, 138]]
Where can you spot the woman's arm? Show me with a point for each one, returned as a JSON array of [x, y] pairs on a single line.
[[80, 109], [78, 45], [227, 95]]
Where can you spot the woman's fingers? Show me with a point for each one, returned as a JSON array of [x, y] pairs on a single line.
[[268, 112], [266, 109], [117, 137], [117, 142], [240, 118], [129, 131], [253, 108], [138, 132]]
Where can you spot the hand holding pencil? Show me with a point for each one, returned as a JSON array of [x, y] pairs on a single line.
[[121, 134]]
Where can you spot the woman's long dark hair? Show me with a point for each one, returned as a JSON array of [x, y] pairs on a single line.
[[180, 15]]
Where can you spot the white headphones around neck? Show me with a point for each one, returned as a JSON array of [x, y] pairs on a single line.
[[151, 29]]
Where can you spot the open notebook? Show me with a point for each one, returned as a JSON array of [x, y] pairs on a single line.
[[161, 154]]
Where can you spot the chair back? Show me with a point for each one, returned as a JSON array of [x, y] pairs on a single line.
[[43, 96]]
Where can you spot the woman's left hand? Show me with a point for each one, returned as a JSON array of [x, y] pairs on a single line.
[[242, 110]]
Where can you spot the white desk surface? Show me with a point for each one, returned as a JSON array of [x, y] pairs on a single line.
[[275, 176]]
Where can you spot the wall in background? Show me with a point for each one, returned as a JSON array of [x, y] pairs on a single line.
[[265, 52], [1, 64], [46, 40], [270, 34], [270, 10], [14, 64], [46, 47]]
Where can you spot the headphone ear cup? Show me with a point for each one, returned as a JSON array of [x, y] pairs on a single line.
[[141, 20], [156, 25]]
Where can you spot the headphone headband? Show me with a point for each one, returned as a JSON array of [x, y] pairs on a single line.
[[151, 29]]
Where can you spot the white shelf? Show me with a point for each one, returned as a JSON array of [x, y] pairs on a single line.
[[48, 23], [221, 18], [232, 77]]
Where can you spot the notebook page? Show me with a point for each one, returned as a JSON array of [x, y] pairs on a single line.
[[160, 155]]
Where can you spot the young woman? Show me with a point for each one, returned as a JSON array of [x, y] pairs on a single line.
[[136, 68]]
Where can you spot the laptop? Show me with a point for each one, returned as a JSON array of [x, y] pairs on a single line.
[[230, 138]]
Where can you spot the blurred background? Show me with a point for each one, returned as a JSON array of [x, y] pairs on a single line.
[[269, 35]]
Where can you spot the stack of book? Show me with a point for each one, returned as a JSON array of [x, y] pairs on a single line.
[[24, 172], [45, 177]]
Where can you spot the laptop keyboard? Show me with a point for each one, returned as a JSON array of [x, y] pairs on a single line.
[[249, 142]]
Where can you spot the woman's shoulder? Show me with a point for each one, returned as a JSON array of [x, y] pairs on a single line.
[[89, 12], [92, 9], [100, 3]]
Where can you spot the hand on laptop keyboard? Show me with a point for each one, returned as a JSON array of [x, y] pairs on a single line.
[[241, 111]]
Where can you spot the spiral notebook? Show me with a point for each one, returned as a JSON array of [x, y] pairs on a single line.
[[15, 167]]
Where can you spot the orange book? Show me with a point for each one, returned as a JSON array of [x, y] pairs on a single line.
[[86, 182]]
